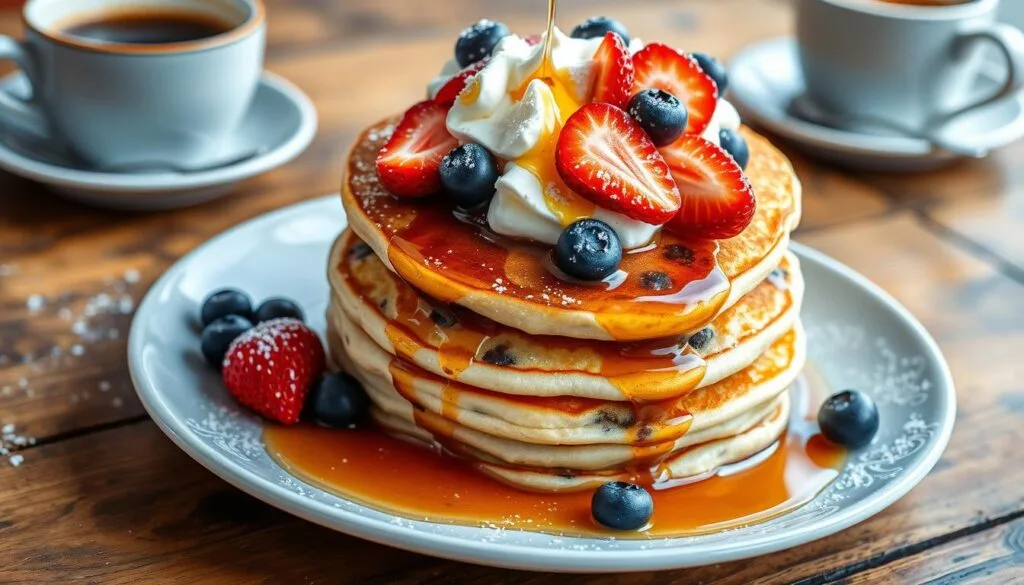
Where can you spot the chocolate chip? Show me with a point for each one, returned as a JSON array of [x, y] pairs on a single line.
[[702, 338], [383, 304], [499, 356], [681, 254], [655, 281], [443, 317], [644, 433], [609, 420], [360, 251]]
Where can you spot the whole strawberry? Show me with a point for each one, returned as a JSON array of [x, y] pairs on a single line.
[[271, 368]]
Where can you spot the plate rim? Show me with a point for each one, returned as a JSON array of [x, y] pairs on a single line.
[[513, 555]]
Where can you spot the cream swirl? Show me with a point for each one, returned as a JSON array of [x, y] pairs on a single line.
[[514, 115]]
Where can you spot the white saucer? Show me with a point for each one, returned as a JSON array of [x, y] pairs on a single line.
[[280, 124], [765, 78], [859, 337]]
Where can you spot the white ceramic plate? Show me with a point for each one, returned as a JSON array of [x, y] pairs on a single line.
[[281, 123], [860, 337]]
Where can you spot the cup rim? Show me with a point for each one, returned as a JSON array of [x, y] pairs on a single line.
[[236, 34], [919, 13]]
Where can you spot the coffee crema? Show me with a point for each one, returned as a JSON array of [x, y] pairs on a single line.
[[149, 27]]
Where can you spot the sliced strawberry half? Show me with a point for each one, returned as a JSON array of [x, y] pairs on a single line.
[[613, 73], [409, 165], [607, 158], [718, 201], [533, 40], [451, 90], [659, 66]]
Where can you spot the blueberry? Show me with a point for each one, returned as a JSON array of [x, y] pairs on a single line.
[[598, 26], [226, 302], [849, 418], [499, 356], [735, 145], [443, 317], [338, 401], [278, 308], [588, 249], [681, 254], [715, 70], [217, 337], [702, 338], [654, 280], [478, 41], [622, 506], [468, 174], [360, 251], [659, 113]]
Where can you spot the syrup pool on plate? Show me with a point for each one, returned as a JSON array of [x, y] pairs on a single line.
[[402, 478]]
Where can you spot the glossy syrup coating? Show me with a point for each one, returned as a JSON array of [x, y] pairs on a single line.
[[451, 255]]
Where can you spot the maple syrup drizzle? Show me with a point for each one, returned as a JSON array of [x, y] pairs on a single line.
[[549, 37], [396, 476], [651, 428], [448, 254], [642, 371], [561, 100]]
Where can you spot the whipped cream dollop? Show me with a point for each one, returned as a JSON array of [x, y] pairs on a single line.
[[520, 127]]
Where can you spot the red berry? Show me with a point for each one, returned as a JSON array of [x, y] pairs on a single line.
[[271, 368], [409, 165], [613, 73], [451, 90], [606, 157], [718, 201], [662, 67]]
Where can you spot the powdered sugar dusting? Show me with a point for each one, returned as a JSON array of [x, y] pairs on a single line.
[[11, 442], [99, 318], [230, 431]]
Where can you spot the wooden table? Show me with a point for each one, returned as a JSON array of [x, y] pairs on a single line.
[[101, 495]]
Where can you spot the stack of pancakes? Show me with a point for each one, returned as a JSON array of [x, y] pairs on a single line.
[[467, 342]]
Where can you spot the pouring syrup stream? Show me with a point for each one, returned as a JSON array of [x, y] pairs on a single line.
[[545, 67]]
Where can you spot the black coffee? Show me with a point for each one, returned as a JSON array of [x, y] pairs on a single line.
[[150, 28]]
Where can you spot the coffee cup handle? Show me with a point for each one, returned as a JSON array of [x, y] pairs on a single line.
[[14, 111], [1010, 42]]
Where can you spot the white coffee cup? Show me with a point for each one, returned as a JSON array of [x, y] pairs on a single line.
[[122, 104], [915, 66]]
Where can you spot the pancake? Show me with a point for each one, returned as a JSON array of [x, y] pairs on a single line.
[[451, 256], [596, 457], [456, 344], [685, 466], [732, 420], [562, 420]]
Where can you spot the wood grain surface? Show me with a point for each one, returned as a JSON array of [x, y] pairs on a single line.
[[99, 495]]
